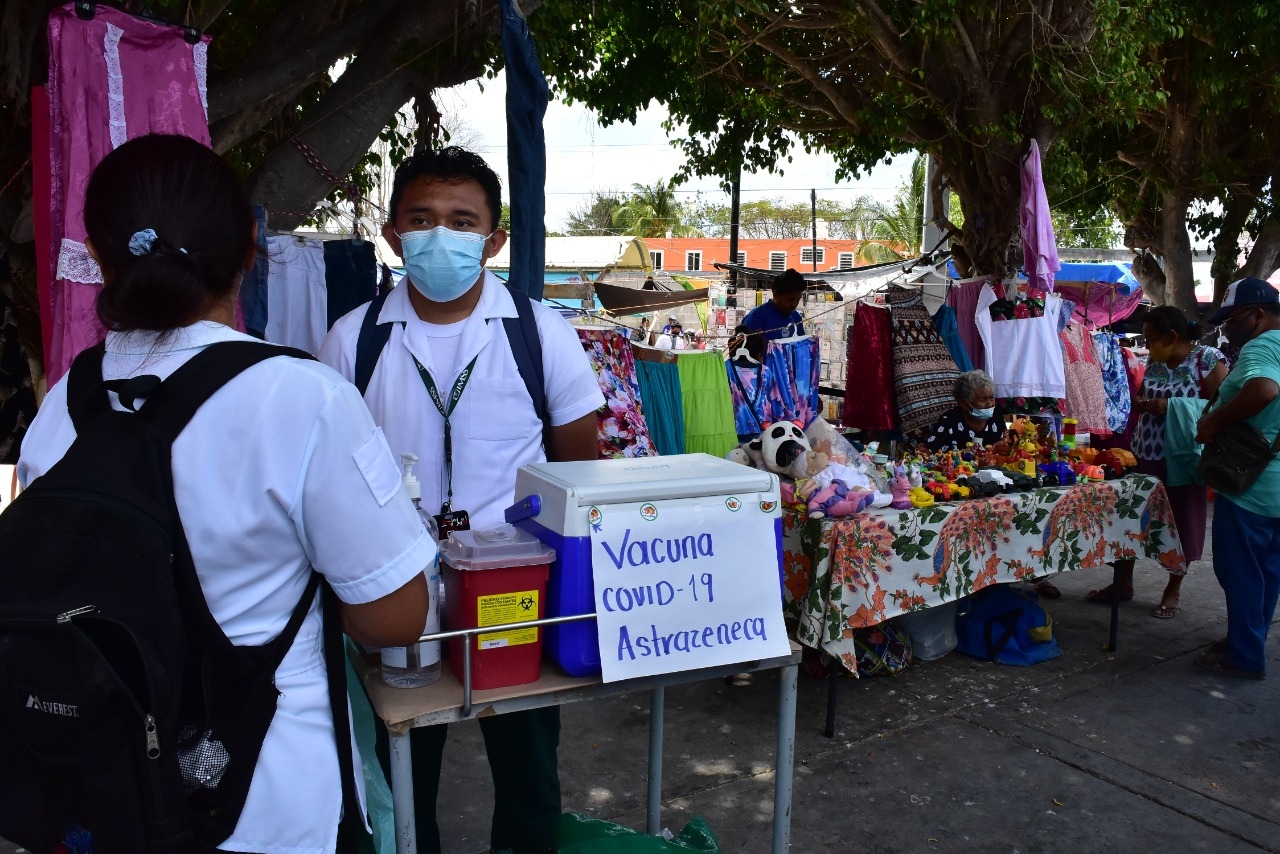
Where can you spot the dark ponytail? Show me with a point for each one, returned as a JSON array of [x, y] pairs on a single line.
[[171, 227], [1167, 318]]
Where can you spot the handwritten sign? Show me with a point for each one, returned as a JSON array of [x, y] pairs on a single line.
[[681, 585]]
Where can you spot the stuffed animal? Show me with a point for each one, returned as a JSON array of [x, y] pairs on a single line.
[[786, 451], [901, 489]]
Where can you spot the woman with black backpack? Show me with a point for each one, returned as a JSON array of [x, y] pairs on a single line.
[[234, 723]]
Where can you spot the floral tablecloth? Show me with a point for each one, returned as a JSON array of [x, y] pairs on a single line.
[[845, 574]]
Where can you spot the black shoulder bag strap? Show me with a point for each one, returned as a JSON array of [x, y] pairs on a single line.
[[373, 338], [526, 348]]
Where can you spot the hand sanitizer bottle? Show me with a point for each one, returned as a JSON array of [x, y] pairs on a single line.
[[418, 664]]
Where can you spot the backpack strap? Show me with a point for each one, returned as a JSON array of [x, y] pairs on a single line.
[[187, 388], [351, 828], [86, 396], [373, 338], [526, 348]]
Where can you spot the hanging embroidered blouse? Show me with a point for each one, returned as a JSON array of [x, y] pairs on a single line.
[[1114, 379], [1023, 355]]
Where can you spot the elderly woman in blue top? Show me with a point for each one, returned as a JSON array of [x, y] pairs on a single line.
[[1246, 527]]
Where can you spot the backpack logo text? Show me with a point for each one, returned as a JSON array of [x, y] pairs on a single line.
[[65, 710]]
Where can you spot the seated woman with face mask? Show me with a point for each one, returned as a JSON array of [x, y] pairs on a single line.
[[971, 420]]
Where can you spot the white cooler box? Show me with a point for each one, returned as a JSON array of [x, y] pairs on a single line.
[[552, 503]]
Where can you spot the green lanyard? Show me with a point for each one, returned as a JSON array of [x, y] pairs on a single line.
[[446, 409]]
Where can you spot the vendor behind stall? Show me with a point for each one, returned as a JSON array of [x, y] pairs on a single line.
[[779, 318], [971, 420]]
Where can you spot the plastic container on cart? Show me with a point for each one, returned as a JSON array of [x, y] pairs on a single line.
[[554, 503], [493, 577]]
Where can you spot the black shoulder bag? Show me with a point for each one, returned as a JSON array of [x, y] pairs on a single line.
[[1236, 456]]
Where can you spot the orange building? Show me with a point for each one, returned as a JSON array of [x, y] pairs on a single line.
[[694, 254]]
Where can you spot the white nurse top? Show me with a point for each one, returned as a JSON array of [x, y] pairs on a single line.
[[281, 470], [495, 428]]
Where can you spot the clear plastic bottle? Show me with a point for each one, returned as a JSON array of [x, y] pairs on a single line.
[[418, 664]]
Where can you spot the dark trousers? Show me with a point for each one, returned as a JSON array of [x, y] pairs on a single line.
[[1246, 559], [522, 757]]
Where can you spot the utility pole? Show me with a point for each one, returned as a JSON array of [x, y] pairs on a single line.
[[813, 213]]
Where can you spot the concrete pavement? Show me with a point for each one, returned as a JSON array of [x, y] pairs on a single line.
[[1133, 751]]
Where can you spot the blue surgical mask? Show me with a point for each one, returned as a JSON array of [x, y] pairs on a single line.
[[442, 264], [983, 414]]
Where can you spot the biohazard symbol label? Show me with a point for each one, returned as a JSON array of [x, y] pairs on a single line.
[[500, 609]]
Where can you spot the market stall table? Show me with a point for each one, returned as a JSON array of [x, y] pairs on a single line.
[[402, 709], [857, 572]]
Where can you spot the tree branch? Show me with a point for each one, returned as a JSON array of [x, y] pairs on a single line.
[[251, 84]]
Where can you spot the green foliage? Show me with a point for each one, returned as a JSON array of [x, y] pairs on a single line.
[[653, 211], [595, 216]]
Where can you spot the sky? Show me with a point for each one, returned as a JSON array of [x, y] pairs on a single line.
[[584, 157]]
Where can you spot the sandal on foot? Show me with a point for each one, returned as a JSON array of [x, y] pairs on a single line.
[[1219, 646], [1103, 595], [1219, 664], [1165, 612]]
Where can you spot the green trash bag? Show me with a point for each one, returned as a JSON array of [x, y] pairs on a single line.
[[581, 834]]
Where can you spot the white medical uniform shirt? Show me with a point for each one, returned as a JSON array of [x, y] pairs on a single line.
[[281, 470], [495, 428]]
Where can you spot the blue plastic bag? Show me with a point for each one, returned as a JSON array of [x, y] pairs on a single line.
[[1007, 625]]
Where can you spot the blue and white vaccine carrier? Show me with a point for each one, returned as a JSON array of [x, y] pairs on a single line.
[[553, 502]]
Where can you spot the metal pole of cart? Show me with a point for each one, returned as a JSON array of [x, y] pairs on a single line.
[[657, 699]]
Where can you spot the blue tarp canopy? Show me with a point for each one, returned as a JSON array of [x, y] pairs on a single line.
[[1109, 273]]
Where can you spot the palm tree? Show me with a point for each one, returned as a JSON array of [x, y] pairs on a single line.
[[652, 211], [897, 228]]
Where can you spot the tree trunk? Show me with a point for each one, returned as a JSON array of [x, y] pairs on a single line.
[[355, 110], [990, 192], [1264, 257], [1180, 286]]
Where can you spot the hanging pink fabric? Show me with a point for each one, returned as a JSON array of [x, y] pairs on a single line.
[[111, 78], [870, 402], [1104, 306], [1086, 393], [962, 296], [1039, 246]]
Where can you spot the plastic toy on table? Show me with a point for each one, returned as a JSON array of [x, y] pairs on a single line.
[[1059, 472]]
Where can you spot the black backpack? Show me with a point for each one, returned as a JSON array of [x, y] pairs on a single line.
[[124, 709]]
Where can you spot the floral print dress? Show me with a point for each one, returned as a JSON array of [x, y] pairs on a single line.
[[1160, 382]]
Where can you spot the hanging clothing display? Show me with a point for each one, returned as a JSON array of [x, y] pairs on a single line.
[[792, 371], [962, 296], [1039, 244], [350, 276], [111, 78], [746, 388], [1086, 394], [1023, 356], [297, 313], [1114, 379], [622, 431], [662, 404], [944, 320], [1099, 303], [708, 409], [873, 403], [253, 287], [924, 373]]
